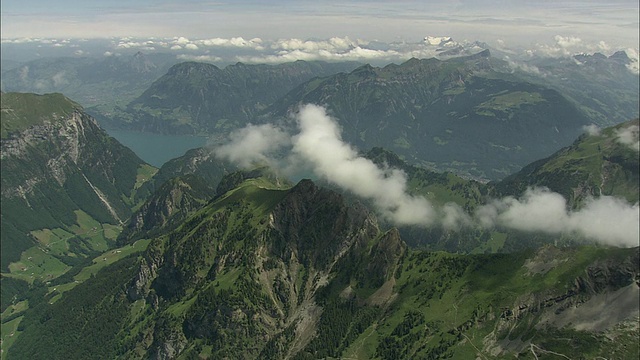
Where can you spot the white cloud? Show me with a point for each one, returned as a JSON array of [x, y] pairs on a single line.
[[568, 41], [333, 44], [605, 219], [516, 65], [129, 44], [22, 40], [634, 65], [566, 46], [41, 84], [181, 41], [629, 136], [176, 47], [592, 130], [253, 145], [355, 54], [59, 79], [318, 147], [24, 73], [454, 217], [238, 42], [319, 142], [200, 58], [191, 47]]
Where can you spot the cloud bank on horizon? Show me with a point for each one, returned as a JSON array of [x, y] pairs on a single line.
[[223, 51], [615, 22], [316, 145]]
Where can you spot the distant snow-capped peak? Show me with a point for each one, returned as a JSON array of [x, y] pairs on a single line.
[[439, 40]]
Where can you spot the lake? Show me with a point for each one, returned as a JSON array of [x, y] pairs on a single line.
[[156, 149]]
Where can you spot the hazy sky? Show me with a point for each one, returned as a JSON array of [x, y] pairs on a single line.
[[517, 22]]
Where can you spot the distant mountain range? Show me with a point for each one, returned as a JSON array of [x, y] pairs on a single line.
[[604, 87], [204, 99], [479, 115], [461, 114], [476, 115], [92, 82]]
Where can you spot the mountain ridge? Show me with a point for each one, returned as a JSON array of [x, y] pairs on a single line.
[[205, 98], [298, 273]]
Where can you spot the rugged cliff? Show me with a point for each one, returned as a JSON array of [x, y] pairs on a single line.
[[57, 166]]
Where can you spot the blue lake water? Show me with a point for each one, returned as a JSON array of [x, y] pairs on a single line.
[[156, 149]]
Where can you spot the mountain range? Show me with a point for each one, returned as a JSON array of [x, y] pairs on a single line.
[[604, 87], [110, 257], [460, 114], [476, 115], [483, 115], [202, 98]]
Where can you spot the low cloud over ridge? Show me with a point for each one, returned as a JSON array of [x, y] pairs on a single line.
[[319, 142], [605, 219], [318, 146]]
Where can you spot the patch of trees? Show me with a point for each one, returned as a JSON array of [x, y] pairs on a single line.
[[83, 324], [342, 321]]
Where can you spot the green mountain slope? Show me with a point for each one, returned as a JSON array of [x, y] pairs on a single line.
[[594, 165], [66, 185], [464, 114], [271, 272], [202, 98]]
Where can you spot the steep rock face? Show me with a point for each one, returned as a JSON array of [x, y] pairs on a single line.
[[61, 150], [301, 220], [610, 275], [602, 296], [55, 164], [140, 286]]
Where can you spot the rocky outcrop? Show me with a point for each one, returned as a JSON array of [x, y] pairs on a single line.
[[281, 258], [609, 275], [318, 227], [170, 204], [153, 259]]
